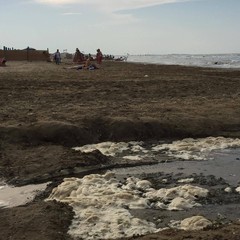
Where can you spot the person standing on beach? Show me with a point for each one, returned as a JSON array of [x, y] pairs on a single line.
[[78, 56], [99, 56], [57, 57]]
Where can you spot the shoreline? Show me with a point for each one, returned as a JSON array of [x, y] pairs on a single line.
[[225, 61]]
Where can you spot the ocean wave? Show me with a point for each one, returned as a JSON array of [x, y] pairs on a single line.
[[210, 60]]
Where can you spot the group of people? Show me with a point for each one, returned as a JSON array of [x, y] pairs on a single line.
[[80, 58]]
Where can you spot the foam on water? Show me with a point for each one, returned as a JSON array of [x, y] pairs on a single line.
[[186, 149], [208, 60], [192, 223], [186, 180], [196, 149], [112, 148], [135, 158], [101, 204], [237, 189]]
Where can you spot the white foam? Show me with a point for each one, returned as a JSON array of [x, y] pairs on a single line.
[[191, 224], [101, 204], [186, 180], [237, 189], [195, 223], [228, 190], [113, 148], [106, 148], [196, 149], [133, 158], [180, 203], [186, 149], [108, 223], [178, 198], [143, 184]]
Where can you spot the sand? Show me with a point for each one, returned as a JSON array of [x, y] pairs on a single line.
[[47, 109]]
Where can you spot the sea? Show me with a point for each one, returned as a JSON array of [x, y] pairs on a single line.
[[199, 60]]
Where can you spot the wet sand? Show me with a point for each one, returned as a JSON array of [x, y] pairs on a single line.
[[47, 109]]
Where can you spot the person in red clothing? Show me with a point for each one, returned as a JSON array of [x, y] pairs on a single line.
[[99, 56]]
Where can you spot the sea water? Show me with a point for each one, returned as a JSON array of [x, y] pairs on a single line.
[[200, 60]]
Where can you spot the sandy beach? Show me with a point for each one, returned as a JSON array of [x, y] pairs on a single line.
[[48, 109]]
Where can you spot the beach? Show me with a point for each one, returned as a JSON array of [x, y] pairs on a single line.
[[48, 109]]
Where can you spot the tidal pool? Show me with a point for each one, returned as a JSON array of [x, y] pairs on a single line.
[[11, 196], [195, 184]]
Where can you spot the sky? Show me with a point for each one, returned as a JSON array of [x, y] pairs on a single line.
[[119, 27]]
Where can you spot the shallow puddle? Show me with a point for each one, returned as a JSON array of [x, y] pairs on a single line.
[[216, 156], [11, 196], [209, 163], [140, 200], [224, 163]]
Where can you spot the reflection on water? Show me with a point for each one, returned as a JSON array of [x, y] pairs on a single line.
[[216, 156], [11, 196], [107, 206], [115, 204], [224, 163]]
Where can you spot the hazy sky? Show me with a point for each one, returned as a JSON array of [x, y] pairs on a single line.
[[122, 26]]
